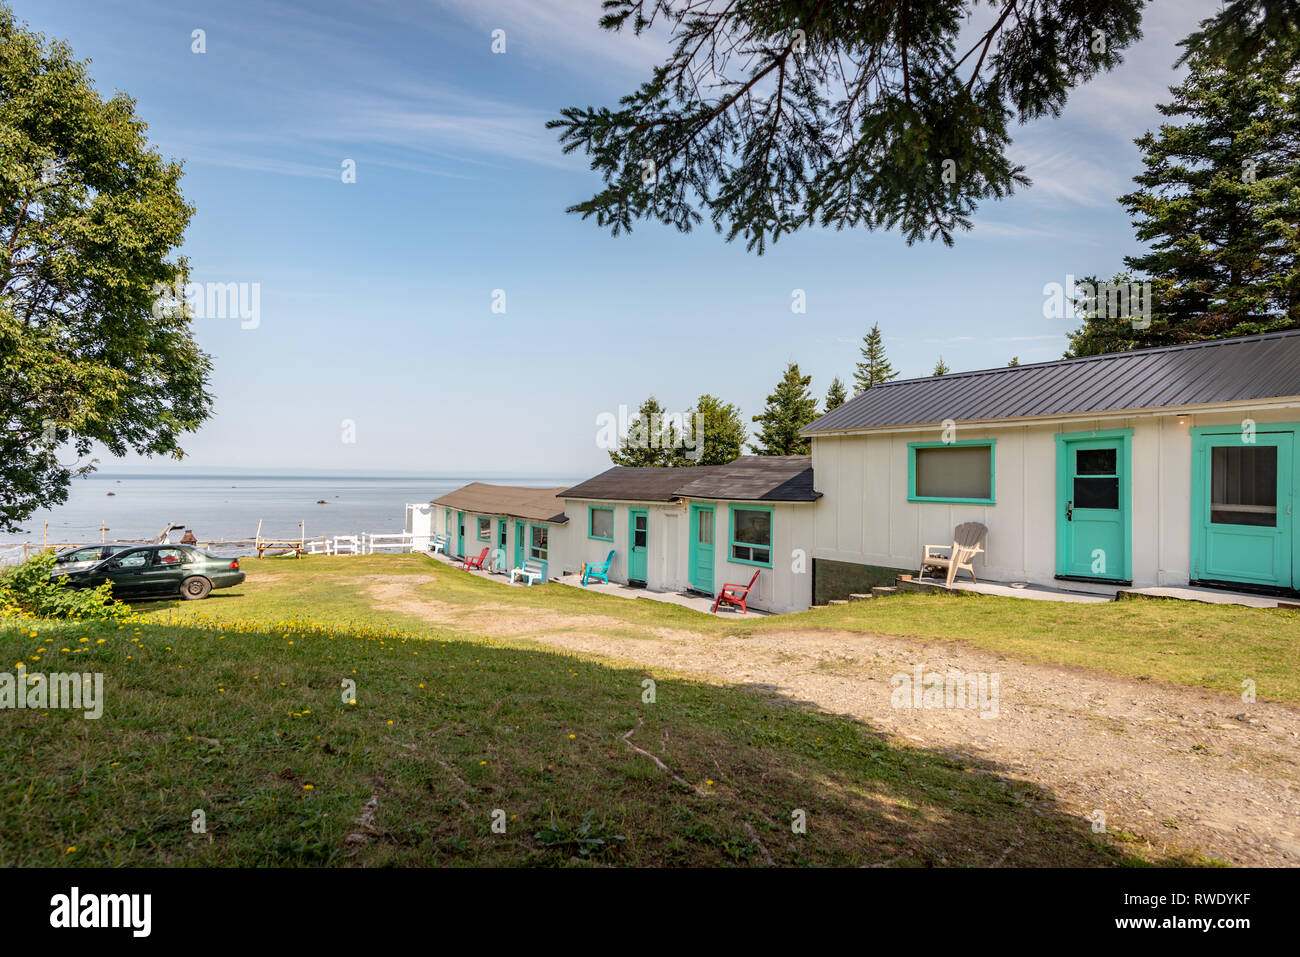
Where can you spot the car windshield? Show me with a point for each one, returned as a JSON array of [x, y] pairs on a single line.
[[80, 555]]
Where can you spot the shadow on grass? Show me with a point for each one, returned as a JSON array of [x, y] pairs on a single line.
[[248, 725]]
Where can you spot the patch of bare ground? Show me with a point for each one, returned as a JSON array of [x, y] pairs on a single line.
[[1185, 769], [393, 593]]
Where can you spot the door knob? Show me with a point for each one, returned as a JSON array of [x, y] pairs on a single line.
[[1069, 511]]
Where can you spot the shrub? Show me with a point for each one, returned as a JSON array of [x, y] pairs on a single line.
[[28, 591]]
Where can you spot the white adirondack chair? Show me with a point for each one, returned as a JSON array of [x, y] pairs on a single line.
[[967, 542]]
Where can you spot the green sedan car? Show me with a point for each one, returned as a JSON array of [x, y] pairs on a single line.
[[158, 571]]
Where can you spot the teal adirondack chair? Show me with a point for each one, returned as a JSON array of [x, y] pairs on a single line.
[[598, 572]]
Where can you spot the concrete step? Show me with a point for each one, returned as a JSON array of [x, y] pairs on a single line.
[[880, 591], [860, 597]]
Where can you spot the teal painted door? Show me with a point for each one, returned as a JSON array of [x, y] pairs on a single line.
[[638, 544], [1241, 509], [1093, 534], [446, 526], [460, 534], [521, 543], [501, 558], [701, 550]]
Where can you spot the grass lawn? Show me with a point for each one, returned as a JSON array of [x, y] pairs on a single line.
[[1188, 643], [235, 707]]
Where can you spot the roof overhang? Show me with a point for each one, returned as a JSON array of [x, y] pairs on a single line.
[[1251, 405]]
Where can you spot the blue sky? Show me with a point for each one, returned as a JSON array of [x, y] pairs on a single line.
[[376, 295]]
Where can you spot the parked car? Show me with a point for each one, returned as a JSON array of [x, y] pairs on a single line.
[[153, 571], [85, 557]]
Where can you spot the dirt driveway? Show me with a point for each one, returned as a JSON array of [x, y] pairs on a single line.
[[1188, 770]]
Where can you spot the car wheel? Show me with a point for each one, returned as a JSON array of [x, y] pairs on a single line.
[[195, 588]]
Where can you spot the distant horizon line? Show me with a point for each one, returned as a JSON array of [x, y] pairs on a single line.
[[218, 472]]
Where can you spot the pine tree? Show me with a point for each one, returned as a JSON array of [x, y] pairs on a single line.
[[1217, 203], [874, 367], [835, 395], [941, 367], [789, 408], [721, 431], [652, 440], [765, 118]]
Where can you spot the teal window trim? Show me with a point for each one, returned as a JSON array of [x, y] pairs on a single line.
[[484, 528], [731, 535], [591, 510], [531, 547], [991, 444], [1125, 466]]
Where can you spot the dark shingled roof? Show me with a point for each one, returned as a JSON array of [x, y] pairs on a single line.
[[1198, 373], [624, 484], [757, 478], [750, 478], [537, 504]]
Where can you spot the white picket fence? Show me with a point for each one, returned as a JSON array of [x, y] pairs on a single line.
[[367, 543]]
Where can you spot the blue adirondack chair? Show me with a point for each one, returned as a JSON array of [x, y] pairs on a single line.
[[598, 572]]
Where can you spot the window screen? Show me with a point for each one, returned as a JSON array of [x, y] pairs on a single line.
[[1243, 485], [751, 535], [956, 471], [602, 523], [537, 549], [1096, 481]]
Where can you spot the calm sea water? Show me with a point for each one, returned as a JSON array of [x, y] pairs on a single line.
[[228, 507]]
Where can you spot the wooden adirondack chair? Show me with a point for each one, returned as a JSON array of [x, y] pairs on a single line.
[[599, 571], [475, 562], [967, 542], [736, 594]]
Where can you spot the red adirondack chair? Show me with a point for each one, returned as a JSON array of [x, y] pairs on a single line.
[[736, 594], [475, 562]]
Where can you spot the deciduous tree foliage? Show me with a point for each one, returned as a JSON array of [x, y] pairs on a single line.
[[769, 116], [1218, 203], [90, 215], [723, 430], [789, 408]]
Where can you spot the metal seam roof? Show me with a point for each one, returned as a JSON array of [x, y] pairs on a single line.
[[1200, 373]]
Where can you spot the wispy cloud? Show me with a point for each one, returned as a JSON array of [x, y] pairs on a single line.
[[565, 32]]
